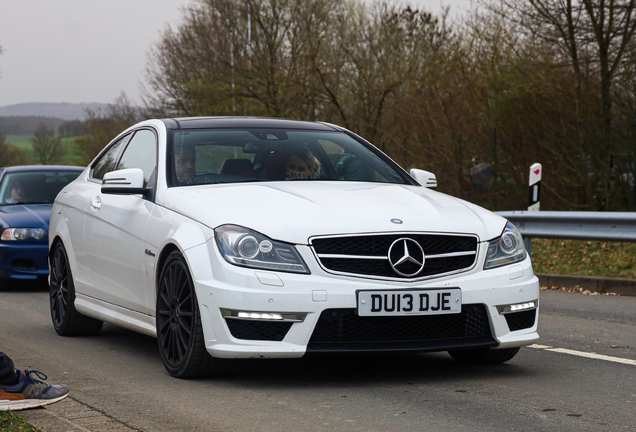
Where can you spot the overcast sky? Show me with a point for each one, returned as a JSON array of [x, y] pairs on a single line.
[[89, 50]]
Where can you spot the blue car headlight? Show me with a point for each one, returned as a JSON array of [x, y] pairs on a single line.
[[19, 234], [244, 247], [506, 249]]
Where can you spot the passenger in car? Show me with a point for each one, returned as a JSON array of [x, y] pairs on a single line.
[[353, 169], [185, 164], [302, 164]]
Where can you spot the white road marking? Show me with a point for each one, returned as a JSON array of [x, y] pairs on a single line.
[[585, 354], [540, 346]]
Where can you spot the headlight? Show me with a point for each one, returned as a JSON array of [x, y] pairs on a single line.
[[13, 234], [506, 249], [247, 248]]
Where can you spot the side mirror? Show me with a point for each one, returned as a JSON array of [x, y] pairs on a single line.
[[425, 178], [125, 182]]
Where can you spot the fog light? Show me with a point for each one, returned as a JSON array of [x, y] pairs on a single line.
[[264, 316], [518, 307]]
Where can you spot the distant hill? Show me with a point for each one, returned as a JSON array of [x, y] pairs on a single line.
[[63, 110], [25, 125]]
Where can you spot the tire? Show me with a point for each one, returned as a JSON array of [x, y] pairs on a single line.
[[67, 321], [483, 355], [179, 331]]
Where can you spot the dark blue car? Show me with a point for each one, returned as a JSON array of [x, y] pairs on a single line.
[[26, 197]]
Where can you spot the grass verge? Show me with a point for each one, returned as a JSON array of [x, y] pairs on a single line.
[[584, 258], [9, 422]]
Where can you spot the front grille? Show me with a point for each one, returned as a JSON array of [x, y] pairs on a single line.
[[521, 320], [368, 255], [258, 330], [344, 330]]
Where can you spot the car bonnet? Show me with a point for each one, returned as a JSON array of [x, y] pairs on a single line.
[[295, 211], [27, 216]]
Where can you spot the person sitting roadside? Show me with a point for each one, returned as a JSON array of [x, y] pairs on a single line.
[[22, 389]]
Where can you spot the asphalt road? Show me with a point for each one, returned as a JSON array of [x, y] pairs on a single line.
[[119, 373]]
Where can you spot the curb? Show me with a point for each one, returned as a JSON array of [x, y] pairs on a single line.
[[626, 287]]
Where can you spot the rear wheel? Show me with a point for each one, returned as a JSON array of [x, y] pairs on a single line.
[[179, 330], [484, 355], [67, 321]]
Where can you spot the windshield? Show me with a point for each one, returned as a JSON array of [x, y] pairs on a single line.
[[231, 156], [31, 187]]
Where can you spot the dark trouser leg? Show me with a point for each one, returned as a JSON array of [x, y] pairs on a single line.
[[7, 371]]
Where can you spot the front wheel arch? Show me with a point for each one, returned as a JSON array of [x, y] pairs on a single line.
[[180, 336], [67, 321]]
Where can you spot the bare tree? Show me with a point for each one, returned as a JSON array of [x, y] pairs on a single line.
[[514, 81], [239, 57], [46, 144], [105, 124], [594, 36]]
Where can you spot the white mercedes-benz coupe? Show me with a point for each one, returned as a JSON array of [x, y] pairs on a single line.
[[260, 238]]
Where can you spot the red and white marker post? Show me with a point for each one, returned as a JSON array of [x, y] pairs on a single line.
[[535, 187], [534, 200]]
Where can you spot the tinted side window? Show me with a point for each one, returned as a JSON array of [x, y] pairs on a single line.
[[141, 152], [106, 163]]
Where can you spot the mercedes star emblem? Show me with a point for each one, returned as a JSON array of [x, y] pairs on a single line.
[[406, 257]]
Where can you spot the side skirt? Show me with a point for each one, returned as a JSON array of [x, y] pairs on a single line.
[[117, 315]]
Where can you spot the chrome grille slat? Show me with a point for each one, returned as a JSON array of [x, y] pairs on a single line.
[[446, 255]]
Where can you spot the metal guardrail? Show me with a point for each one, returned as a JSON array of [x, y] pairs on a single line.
[[603, 226], [608, 226]]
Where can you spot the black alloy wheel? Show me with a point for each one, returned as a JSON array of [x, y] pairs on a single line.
[[66, 320], [59, 286], [179, 331]]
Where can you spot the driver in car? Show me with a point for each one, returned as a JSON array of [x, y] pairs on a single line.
[[17, 193], [185, 164]]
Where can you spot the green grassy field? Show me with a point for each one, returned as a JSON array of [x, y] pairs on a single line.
[[13, 139], [23, 143]]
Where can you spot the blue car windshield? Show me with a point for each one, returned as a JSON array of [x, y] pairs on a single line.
[[34, 187], [249, 155]]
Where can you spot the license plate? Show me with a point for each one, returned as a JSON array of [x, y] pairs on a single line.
[[410, 302]]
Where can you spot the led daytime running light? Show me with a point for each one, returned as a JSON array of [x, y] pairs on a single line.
[[518, 307], [264, 316]]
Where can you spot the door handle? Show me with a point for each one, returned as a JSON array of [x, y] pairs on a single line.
[[96, 204]]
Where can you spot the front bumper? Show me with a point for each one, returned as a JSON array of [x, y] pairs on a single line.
[[221, 286], [24, 260]]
